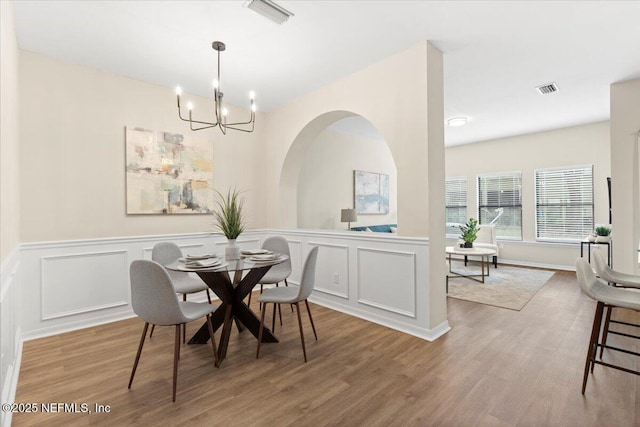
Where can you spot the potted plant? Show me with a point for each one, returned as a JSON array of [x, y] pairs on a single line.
[[469, 232], [229, 219], [603, 234]]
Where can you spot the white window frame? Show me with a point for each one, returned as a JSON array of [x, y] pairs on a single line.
[[586, 230], [514, 174], [452, 232]]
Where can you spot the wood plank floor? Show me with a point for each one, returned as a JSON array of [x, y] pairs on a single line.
[[496, 367]]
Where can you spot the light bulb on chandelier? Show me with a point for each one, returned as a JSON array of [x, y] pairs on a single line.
[[221, 112]]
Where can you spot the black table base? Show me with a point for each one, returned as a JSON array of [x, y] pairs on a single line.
[[232, 307]]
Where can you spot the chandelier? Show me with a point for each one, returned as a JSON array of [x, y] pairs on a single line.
[[221, 112]]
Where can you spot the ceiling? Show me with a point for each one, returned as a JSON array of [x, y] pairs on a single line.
[[495, 52]]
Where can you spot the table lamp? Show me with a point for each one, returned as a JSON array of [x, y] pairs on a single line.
[[348, 216]]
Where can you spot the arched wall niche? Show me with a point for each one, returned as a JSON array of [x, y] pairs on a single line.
[[361, 151], [288, 186]]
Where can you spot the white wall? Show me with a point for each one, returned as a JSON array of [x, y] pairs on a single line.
[[10, 335], [409, 116], [625, 174], [326, 179], [9, 153], [579, 145], [72, 173]]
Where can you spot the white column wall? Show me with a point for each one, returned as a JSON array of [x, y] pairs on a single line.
[[402, 97], [625, 192]]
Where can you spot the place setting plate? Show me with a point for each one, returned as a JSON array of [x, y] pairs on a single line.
[[254, 252], [199, 257], [264, 257], [203, 264]]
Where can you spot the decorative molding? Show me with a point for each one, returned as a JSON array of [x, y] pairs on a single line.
[[355, 235], [44, 287], [149, 251], [416, 331], [379, 305], [8, 271], [11, 353], [329, 291]]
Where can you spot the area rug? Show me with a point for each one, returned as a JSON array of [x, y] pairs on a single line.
[[507, 287]]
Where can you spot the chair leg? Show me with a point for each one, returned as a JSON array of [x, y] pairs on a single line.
[[208, 296], [591, 350], [264, 310], [495, 261], [261, 289], [153, 327], [213, 341], [605, 331], [176, 356], [304, 350], [279, 312], [465, 260], [135, 364], [287, 284], [273, 319], [311, 319], [184, 325]]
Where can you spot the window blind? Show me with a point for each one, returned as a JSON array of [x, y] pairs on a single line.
[[564, 203], [455, 201], [500, 203]]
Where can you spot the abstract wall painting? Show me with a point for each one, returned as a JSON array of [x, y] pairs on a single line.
[[371, 193], [168, 173]]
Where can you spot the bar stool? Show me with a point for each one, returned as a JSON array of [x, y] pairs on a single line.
[[605, 296], [617, 279]]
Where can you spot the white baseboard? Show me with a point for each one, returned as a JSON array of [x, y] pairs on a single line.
[[537, 265], [10, 385], [426, 334]]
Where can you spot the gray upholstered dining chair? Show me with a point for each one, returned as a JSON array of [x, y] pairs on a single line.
[[291, 295], [279, 272], [153, 298], [605, 296], [166, 253]]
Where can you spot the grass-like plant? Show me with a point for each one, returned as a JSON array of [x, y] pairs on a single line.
[[469, 231], [228, 216], [603, 230]]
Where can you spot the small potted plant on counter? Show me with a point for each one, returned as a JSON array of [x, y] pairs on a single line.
[[603, 234], [469, 233]]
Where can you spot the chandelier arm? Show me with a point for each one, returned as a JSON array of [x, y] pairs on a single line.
[[200, 128], [251, 120], [220, 113], [240, 129]]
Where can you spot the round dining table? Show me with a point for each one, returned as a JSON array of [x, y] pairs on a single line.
[[231, 292]]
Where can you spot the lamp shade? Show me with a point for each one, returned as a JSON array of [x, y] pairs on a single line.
[[348, 215]]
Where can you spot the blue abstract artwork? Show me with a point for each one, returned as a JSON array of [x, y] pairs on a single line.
[[371, 193]]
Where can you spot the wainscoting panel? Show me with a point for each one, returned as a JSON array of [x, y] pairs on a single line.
[[10, 331], [295, 248], [387, 280], [332, 269], [76, 284], [105, 274], [378, 277]]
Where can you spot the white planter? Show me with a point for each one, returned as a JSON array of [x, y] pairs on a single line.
[[603, 239], [231, 251]]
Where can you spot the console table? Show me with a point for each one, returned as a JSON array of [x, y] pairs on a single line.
[[588, 243]]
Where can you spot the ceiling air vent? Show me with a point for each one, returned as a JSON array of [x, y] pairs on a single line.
[[548, 88]]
